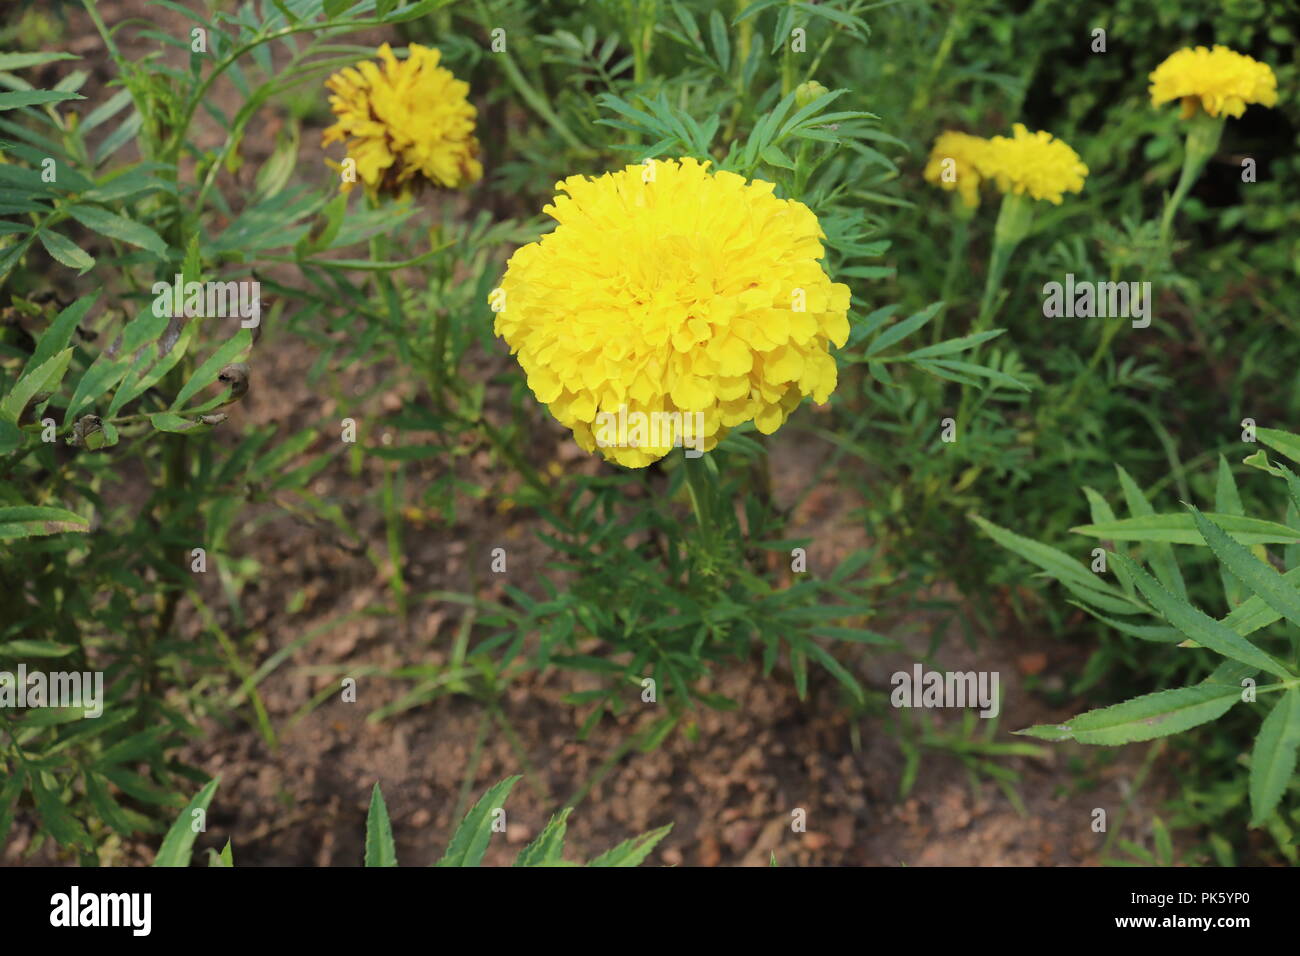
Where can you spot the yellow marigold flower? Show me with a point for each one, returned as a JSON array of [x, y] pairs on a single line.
[[406, 123], [1219, 80], [967, 154], [1033, 163], [667, 288]]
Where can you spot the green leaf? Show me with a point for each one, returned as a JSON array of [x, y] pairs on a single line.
[[1288, 443], [55, 818], [950, 346], [1257, 575], [632, 852], [43, 379], [20, 98], [837, 670], [548, 848], [1227, 500], [902, 329], [1253, 613], [59, 334], [65, 251], [380, 849], [223, 859], [207, 373], [469, 842], [1272, 762], [721, 42], [25, 521], [1198, 625], [1164, 843], [773, 156], [1144, 718], [18, 61], [175, 424], [179, 841], [11, 437], [1161, 635], [1056, 563], [28, 648], [1181, 529], [1159, 554], [110, 224]]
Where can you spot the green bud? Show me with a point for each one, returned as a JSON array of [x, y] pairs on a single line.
[[807, 92]]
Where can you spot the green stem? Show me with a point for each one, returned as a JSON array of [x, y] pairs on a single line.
[[698, 489], [1014, 219], [1203, 135]]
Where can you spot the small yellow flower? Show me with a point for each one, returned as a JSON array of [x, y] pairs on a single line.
[[406, 123], [1220, 81], [1033, 163], [955, 163], [667, 288]]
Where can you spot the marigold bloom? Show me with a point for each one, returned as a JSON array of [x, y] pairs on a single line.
[[967, 154], [405, 124], [1220, 81], [1033, 163], [669, 288]]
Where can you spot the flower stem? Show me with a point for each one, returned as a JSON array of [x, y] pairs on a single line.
[[697, 488], [1203, 135], [1014, 219]]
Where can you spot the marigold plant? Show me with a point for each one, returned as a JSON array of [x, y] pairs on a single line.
[[406, 124], [1219, 80], [1034, 163], [968, 154], [670, 288]]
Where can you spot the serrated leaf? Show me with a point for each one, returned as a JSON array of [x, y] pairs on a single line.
[[65, 251], [106, 223], [469, 842], [548, 848], [1143, 718], [1198, 625], [634, 851], [1259, 577]]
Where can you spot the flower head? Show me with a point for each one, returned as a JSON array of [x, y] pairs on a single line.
[[405, 123], [1033, 163], [667, 288], [1220, 81], [956, 162]]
